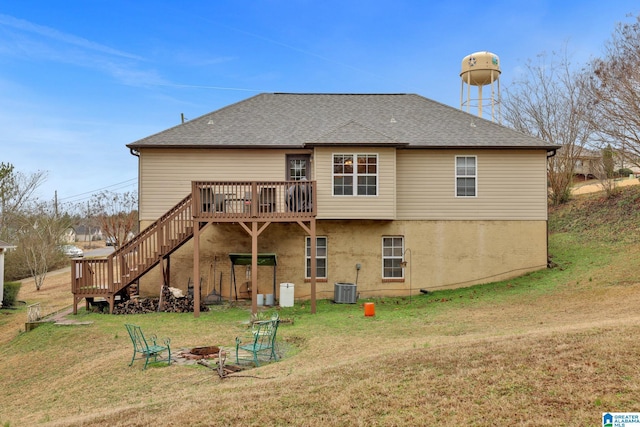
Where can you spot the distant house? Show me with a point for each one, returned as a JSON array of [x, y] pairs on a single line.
[[588, 163], [627, 161], [69, 235], [391, 192], [86, 233]]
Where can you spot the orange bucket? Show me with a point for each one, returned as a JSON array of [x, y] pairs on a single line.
[[369, 309]]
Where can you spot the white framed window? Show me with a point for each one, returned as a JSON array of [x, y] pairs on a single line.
[[321, 257], [392, 257], [355, 174], [466, 176]]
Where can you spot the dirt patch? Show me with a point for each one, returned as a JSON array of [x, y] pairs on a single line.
[[594, 187]]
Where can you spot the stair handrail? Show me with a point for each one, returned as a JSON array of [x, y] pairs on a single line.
[[116, 259]]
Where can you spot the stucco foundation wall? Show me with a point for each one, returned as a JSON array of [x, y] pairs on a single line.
[[439, 255]]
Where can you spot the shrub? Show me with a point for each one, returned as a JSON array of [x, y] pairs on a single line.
[[11, 290], [624, 172]]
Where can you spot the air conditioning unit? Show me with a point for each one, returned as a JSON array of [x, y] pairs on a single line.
[[344, 293]]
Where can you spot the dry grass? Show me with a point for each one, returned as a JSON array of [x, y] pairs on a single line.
[[528, 354], [54, 295], [560, 358]]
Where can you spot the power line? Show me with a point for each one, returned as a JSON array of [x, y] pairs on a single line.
[[122, 183]]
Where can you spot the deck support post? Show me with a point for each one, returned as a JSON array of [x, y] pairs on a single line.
[[254, 232], [254, 267], [196, 269]]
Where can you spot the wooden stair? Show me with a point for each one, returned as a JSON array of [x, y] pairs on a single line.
[[109, 277]]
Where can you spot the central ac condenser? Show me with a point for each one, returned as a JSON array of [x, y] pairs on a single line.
[[345, 293]]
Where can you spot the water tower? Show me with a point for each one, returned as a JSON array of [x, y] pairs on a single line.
[[481, 69]]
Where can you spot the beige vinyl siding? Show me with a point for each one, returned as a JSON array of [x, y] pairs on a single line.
[[511, 185], [166, 174], [381, 206]]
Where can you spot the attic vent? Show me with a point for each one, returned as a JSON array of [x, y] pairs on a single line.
[[344, 293]]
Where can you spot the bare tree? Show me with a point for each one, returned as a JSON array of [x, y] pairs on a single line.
[[546, 102], [613, 85], [38, 238], [17, 200], [117, 215], [16, 193]]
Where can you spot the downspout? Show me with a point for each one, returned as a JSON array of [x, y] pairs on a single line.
[[550, 154], [136, 153]]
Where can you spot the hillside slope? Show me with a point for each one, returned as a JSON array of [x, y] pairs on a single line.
[[594, 217], [555, 347]]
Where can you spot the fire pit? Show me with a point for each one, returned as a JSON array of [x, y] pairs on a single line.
[[197, 353], [202, 355]]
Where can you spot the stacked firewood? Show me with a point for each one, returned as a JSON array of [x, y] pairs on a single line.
[[167, 303], [136, 306]]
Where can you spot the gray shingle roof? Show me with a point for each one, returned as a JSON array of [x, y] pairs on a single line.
[[299, 120]]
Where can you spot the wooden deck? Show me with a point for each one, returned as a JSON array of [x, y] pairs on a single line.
[[210, 202], [287, 201]]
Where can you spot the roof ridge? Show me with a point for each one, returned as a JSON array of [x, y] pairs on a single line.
[[340, 93], [350, 122]]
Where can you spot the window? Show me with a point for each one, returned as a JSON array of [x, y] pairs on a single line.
[[298, 167], [321, 257], [466, 174], [392, 257], [358, 180]]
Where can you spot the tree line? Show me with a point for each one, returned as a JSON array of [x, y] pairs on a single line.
[[38, 228]]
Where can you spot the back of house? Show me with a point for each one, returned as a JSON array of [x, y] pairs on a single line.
[[404, 193]]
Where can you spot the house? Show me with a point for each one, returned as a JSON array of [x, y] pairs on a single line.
[[391, 192], [588, 163], [87, 233], [627, 160]]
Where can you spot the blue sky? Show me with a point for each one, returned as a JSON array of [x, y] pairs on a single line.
[[80, 79]]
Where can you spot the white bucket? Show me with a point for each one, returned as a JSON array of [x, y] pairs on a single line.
[[268, 300], [286, 294]]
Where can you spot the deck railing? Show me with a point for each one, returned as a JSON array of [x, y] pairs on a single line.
[[90, 276], [267, 200]]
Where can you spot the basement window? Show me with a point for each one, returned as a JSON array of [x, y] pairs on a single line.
[[321, 257], [392, 257]]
